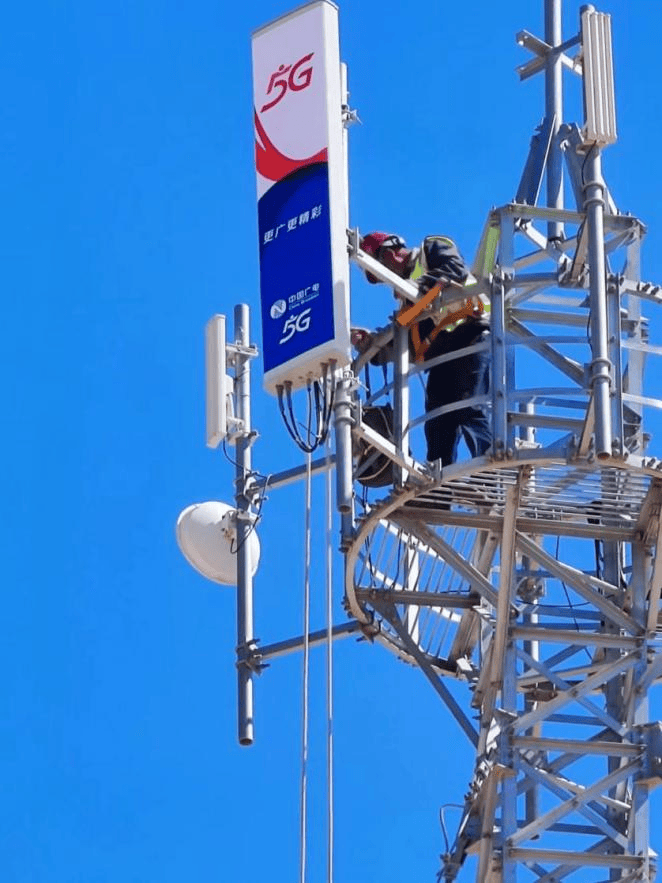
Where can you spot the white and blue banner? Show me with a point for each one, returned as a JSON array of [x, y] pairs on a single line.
[[302, 213]]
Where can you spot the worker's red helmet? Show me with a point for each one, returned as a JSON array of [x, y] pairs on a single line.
[[373, 243]]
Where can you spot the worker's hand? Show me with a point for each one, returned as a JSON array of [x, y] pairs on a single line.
[[429, 280], [361, 339]]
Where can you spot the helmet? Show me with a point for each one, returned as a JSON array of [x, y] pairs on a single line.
[[372, 244]]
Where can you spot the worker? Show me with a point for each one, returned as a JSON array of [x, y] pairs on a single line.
[[438, 260]]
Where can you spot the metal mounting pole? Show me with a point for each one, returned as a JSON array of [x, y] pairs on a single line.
[[400, 398], [344, 384], [343, 429], [554, 112], [600, 369], [245, 638]]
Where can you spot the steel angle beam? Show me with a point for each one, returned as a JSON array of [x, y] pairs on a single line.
[[588, 429], [589, 587], [570, 636], [543, 213], [567, 366], [397, 595], [563, 788], [484, 262], [506, 586], [568, 758], [297, 473], [648, 526], [579, 265], [645, 290], [578, 693], [578, 747], [282, 648], [536, 161], [653, 674], [384, 446], [525, 228], [543, 50], [466, 638], [488, 800], [475, 579], [575, 692], [576, 800], [544, 421], [571, 861], [551, 317], [389, 612]]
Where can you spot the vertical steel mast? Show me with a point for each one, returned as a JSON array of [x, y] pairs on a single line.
[[533, 574]]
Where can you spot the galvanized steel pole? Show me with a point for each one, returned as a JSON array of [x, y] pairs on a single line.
[[343, 432], [245, 636], [600, 369], [554, 111], [400, 398]]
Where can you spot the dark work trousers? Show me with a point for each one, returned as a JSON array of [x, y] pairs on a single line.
[[449, 382]]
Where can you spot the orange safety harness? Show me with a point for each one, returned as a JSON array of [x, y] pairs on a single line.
[[408, 314]]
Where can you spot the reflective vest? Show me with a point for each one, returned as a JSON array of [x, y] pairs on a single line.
[[453, 313]]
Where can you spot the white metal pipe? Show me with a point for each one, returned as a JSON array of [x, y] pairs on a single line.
[[601, 367], [245, 636], [554, 110]]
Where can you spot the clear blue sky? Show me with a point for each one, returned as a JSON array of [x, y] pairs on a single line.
[[128, 219]]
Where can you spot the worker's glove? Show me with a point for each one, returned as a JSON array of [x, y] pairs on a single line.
[[429, 280], [361, 339]]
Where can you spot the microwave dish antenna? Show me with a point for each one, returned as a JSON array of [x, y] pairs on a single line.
[[207, 537]]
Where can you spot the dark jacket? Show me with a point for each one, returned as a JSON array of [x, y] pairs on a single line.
[[440, 257], [440, 253]]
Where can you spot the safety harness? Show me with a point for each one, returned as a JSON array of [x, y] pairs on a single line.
[[451, 315]]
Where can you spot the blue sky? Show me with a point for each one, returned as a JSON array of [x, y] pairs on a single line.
[[129, 219]]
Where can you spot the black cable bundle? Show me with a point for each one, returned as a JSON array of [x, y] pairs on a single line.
[[319, 412]]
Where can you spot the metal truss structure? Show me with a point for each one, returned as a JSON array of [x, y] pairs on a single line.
[[532, 574]]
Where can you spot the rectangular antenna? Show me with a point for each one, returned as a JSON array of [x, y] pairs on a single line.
[[599, 98], [216, 385], [302, 195]]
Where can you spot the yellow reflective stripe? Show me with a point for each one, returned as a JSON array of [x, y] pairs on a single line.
[[485, 259], [437, 238], [418, 269], [481, 301]]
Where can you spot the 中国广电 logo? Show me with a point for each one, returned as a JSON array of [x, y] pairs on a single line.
[[278, 308]]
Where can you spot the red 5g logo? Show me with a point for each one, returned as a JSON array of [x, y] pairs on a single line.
[[299, 78]]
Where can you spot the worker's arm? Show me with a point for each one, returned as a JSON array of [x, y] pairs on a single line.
[[443, 259]]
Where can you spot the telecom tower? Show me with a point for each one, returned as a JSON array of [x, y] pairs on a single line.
[[532, 574]]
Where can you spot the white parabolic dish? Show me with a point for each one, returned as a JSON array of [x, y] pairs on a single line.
[[207, 537]]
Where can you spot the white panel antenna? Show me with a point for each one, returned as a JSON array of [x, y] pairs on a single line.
[[599, 98], [302, 195], [219, 385]]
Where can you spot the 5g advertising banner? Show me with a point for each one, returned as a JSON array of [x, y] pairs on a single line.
[[301, 189]]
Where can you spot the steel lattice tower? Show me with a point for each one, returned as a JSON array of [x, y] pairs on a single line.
[[532, 574]]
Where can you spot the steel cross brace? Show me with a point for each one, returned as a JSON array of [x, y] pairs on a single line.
[[389, 612]]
